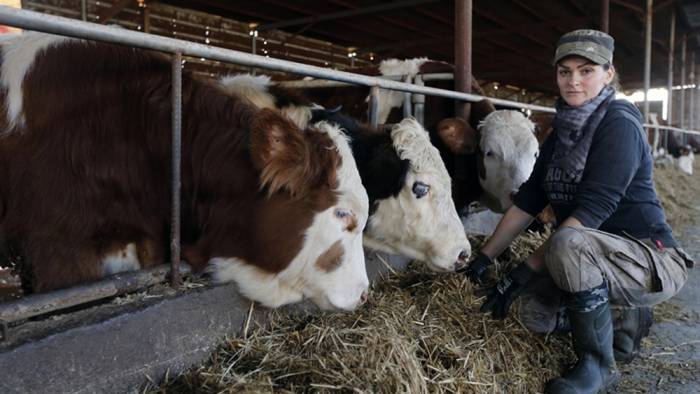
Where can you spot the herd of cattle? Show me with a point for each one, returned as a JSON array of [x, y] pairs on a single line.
[[280, 188]]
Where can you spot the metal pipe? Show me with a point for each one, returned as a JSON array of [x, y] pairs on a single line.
[[407, 110], [176, 114], [253, 48], [695, 94], [463, 57], [682, 106], [691, 106], [147, 19], [647, 58], [419, 102], [83, 10], [605, 16], [669, 86], [678, 129], [323, 83], [38, 304], [31, 20], [373, 107], [437, 77]]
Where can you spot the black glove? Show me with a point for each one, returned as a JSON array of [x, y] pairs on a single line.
[[501, 296], [476, 269]]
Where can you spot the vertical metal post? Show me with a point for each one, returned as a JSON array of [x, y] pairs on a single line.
[[147, 19], [407, 110], [83, 10], [681, 117], [605, 16], [373, 106], [691, 106], [419, 102], [696, 115], [669, 87], [463, 54], [647, 58], [253, 48], [175, 279]]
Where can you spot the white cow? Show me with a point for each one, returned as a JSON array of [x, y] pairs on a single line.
[[509, 150]]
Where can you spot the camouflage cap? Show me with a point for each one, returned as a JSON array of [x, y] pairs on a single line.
[[593, 45]]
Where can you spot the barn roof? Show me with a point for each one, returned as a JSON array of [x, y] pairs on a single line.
[[513, 40]]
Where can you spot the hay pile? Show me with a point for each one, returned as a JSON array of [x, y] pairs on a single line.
[[679, 194], [419, 332]]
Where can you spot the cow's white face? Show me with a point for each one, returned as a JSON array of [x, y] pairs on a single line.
[[509, 150], [338, 277], [421, 221], [330, 267]]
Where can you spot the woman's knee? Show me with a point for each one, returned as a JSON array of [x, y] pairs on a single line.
[[568, 257]]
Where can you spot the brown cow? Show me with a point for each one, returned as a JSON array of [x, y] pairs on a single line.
[[85, 161]]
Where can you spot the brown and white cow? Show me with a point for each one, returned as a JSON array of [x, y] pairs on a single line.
[[85, 156], [505, 154], [412, 212]]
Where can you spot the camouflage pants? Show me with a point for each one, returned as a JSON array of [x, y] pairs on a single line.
[[636, 272]]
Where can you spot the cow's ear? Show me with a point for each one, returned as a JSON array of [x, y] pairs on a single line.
[[278, 151], [458, 135], [479, 111]]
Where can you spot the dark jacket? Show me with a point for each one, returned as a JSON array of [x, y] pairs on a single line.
[[616, 193]]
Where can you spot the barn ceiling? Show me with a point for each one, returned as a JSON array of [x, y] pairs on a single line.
[[513, 40]]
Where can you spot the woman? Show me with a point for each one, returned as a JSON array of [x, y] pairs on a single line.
[[613, 245]]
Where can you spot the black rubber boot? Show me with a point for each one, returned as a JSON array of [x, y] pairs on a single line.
[[630, 326], [592, 334]]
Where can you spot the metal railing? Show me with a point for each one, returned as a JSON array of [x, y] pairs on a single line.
[[73, 28], [32, 305]]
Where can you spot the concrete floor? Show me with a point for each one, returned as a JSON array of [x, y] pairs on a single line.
[[670, 358]]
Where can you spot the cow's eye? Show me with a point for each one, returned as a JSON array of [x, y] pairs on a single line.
[[342, 213], [488, 153], [420, 189]]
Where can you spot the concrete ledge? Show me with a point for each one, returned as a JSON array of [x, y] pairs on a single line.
[[481, 222], [123, 352]]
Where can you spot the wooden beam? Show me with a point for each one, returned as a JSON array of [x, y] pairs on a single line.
[[344, 14], [396, 22], [605, 16], [505, 25], [663, 5], [637, 9], [109, 13]]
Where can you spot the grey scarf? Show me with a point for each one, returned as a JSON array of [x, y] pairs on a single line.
[[575, 128]]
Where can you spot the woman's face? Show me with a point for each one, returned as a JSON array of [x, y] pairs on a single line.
[[580, 80]]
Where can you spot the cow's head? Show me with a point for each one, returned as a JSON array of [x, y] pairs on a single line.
[[313, 199], [507, 153], [421, 220], [460, 137]]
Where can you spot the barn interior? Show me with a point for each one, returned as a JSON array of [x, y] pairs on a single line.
[[511, 41]]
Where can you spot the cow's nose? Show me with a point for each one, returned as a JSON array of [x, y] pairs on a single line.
[[461, 263], [463, 256], [364, 297]]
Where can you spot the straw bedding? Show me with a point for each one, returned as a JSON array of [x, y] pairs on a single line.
[[419, 332]]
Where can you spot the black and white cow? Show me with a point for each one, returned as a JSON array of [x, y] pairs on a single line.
[[412, 212]]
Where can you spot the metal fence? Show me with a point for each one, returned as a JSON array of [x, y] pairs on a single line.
[[39, 304]]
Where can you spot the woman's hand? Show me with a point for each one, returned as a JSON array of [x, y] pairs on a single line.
[[500, 296], [476, 270]]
